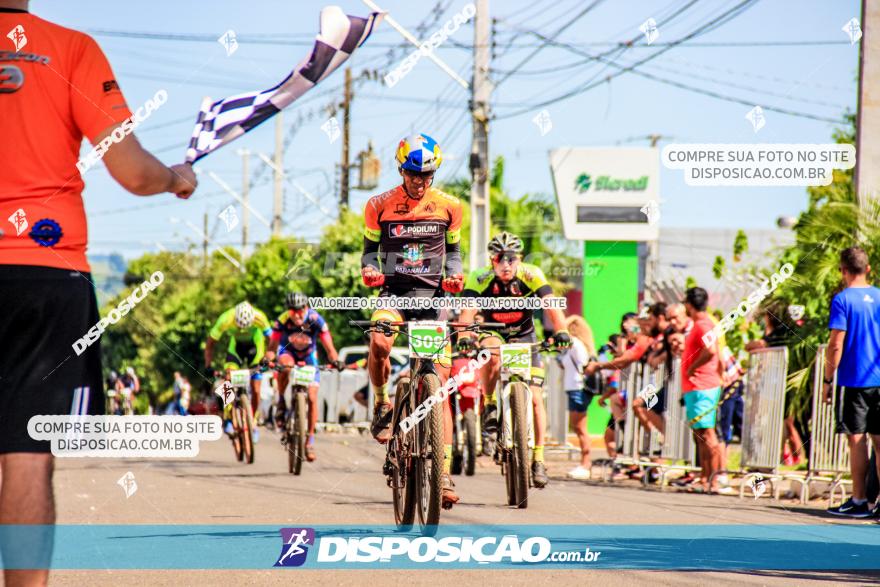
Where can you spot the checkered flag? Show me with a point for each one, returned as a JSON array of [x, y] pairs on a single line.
[[225, 120]]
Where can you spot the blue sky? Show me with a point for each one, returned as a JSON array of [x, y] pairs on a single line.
[[817, 79]]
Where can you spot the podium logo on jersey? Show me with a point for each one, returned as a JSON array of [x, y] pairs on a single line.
[[408, 230]]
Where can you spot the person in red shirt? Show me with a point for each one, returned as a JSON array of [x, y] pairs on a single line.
[[701, 385], [56, 87]]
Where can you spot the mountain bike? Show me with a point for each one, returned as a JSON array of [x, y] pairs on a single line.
[[237, 382], [414, 453], [516, 418], [296, 425], [467, 442]]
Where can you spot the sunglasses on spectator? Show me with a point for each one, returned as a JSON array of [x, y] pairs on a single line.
[[509, 258]]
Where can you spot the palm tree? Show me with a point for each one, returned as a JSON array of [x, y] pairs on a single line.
[[829, 225]]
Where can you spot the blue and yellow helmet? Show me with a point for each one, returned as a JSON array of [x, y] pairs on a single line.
[[419, 153]]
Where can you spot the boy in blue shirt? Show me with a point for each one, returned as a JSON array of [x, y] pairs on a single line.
[[854, 351]]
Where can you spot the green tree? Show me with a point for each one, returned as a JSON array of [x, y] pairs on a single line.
[[532, 217], [829, 225], [718, 267]]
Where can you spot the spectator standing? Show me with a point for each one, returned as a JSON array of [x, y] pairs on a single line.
[[573, 361], [701, 386], [854, 352]]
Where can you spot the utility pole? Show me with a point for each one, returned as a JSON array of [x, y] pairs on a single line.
[[278, 202], [245, 192], [346, 127], [481, 90], [867, 172]]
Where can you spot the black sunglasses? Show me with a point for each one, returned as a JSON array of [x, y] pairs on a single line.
[[510, 258], [426, 175]]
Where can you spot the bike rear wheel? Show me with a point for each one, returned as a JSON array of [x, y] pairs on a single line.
[[430, 461], [298, 449], [403, 486], [520, 454]]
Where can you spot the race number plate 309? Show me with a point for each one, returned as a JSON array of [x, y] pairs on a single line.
[[427, 339], [239, 377], [517, 358], [304, 375]]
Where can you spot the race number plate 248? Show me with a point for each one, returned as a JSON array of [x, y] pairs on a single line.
[[517, 358]]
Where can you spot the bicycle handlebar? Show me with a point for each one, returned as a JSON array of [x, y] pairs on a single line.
[[461, 325]]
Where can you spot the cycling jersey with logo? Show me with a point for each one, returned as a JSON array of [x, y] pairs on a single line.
[[55, 87], [254, 334], [529, 281], [412, 235], [298, 341]]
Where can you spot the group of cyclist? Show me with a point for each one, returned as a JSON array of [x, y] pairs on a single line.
[[411, 248]]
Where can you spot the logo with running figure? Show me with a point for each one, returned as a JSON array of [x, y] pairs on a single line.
[[17, 36], [294, 548]]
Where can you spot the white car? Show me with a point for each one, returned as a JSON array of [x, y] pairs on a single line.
[[336, 394]]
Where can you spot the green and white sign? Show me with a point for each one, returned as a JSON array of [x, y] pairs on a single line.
[[601, 192], [517, 359], [239, 377], [427, 339], [304, 375]]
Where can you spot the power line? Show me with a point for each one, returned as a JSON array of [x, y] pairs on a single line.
[[555, 34], [713, 24]]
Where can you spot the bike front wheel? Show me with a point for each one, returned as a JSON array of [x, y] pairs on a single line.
[[400, 447], [247, 430], [520, 454], [470, 443], [237, 444], [297, 450], [430, 460]]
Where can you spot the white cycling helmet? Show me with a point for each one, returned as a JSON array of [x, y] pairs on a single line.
[[244, 315]]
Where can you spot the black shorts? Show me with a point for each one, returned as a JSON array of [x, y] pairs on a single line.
[[46, 310], [660, 406], [245, 353], [403, 315], [859, 410]]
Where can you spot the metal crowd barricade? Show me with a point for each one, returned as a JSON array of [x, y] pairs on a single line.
[[636, 445], [763, 418], [556, 403], [678, 442], [829, 450]]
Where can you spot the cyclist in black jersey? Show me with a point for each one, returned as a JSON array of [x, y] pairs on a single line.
[[508, 276]]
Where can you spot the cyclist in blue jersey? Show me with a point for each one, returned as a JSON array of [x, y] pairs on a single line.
[[295, 334]]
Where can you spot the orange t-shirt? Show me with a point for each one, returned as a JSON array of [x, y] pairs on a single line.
[[56, 86]]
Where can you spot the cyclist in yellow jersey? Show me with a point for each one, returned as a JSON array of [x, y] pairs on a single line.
[[248, 329], [508, 276]]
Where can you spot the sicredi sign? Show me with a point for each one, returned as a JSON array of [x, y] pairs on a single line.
[[601, 191]]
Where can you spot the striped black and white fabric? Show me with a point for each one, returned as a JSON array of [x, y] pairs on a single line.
[[225, 120]]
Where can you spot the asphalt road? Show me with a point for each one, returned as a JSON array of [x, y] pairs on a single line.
[[345, 486]]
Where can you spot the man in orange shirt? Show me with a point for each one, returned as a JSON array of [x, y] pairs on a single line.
[[56, 87]]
